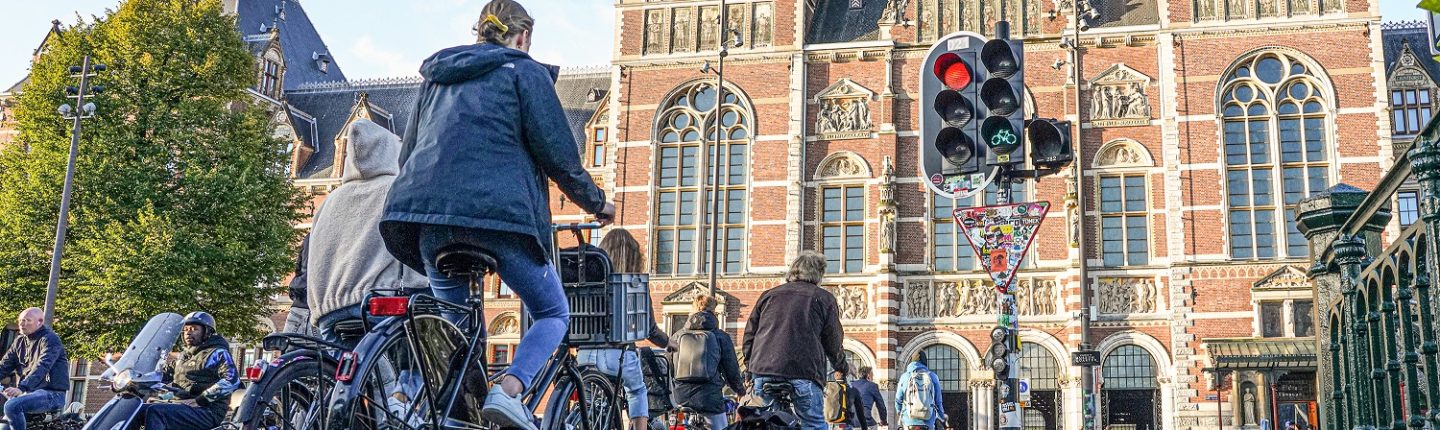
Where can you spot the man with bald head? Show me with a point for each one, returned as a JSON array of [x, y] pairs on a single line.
[[39, 367]]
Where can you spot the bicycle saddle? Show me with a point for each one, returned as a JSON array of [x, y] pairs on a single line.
[[779, 390], [460, 260]]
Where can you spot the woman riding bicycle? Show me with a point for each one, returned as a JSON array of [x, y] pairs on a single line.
[[486, 132], [624, 252]]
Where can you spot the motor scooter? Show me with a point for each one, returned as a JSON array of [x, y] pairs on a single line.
[[135, 376]]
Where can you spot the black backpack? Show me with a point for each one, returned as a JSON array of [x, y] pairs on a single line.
[[697, 356], [657, 380]]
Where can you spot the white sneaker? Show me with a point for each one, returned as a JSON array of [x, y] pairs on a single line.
[[506, 411]]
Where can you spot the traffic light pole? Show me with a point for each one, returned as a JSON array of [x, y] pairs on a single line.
[[1008, 316], [1087, 375]]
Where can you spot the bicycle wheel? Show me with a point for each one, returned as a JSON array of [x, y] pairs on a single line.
[[287, 397], [601, 405], [400, 381]]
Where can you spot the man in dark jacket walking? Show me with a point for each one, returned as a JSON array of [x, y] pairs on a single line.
[[202, 379], [792, 331], [38, 362], [707, 397], [869, 396]]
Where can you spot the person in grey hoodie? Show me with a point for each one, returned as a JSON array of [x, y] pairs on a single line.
[[346, 257], [487, 132]]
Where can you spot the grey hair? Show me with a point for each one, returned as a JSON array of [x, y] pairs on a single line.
[[808, 267]]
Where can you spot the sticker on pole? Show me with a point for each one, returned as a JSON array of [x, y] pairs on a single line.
[[1000, 235]]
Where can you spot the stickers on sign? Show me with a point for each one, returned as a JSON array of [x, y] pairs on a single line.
[[937, 179]]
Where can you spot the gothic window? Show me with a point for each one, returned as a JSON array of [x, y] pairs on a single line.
[[1276, 152], [596, 139], [269, 84], [1411, 110], [842, 227], [1407, 207], [680, 200], [853, 360], [950, 251], [941, 17], [1123, 213], [1129, 367]]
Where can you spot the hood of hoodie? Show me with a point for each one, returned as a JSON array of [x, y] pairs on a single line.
[[916, 365], [466, 62], [372, 152], [702, 321]]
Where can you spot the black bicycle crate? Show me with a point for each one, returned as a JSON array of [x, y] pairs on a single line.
[[614, 312]]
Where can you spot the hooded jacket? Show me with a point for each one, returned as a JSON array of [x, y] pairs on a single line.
[[486, 132], [38, 361], [706, 397], [346, 255], [938, 409]]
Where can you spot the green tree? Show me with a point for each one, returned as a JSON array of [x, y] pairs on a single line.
[[181, 201]]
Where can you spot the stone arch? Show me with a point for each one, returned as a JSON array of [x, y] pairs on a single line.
[[1163, 367], [1051, 344], [860, 348], [669, 102], [1313, 68], [967, 349], [841, 165], [507, 323], [1123, 153]]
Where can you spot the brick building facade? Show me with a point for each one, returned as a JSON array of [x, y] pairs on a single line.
[[1203, 121]]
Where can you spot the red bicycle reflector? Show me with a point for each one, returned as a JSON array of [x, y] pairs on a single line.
[[952, 71], [346, 370], [253, 372], [388, 306]]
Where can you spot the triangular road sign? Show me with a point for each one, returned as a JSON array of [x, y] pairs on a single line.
[[1000, 235]]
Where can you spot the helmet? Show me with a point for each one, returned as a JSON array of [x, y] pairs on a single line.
[[200, 317]]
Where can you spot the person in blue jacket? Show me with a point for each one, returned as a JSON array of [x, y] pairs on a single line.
[[486, 133], [917, 412]]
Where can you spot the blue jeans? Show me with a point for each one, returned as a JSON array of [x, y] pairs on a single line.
[[809, 401], [34, 402], [608, 361], [161, 416], [529, 274]]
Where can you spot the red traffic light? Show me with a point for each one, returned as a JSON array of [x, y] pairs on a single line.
[[953, 71]]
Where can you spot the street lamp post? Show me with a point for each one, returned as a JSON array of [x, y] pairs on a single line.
[[1083, 12], [712, 187], [87, 109]]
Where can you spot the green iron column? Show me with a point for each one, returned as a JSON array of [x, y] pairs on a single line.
[[1393, 379], [1350, 253], [1424, 158], [1404, 293]]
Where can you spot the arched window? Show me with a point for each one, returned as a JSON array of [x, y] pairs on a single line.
[[1129, 367], [950, 367], [1277, 151], [1040, 366], [1131, 395], [680, 200]]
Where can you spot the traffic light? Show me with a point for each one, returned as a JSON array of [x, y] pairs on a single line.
[[951, 152], [1003, 95], [1050, 146], [1002, 343]]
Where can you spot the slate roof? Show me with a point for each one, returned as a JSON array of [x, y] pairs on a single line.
[[298, 38], [835, 22], [1396, 34], [1123, 13], [330, 104]]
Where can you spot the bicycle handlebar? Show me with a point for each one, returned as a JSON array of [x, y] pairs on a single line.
[[576, 226]]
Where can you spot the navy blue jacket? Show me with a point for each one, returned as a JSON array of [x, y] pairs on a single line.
[[38, 361], [870, 396], [486, 132]]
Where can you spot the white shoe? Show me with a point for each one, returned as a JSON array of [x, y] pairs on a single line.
[[506, 411]]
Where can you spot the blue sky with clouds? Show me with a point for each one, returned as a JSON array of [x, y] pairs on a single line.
[[386, 38]]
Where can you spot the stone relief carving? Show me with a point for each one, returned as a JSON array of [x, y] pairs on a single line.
[[709, 17], [854, 301], [735, 19], [1072, 212], [681, 31], [1036, 297], [842, 166], [888, 207], [505, 324], [1117, 98], [1205, 9], [1123, 153], [654, 31], [1127, 295], [764, 25], [894, 12], [1289, 277], [844, 110], [917, 300]]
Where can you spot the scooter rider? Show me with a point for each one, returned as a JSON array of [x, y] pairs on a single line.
[[201, 379], [42, 371]]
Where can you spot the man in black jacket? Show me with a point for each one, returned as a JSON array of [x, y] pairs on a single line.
[[41, 370], [792, 331], [202, 379]]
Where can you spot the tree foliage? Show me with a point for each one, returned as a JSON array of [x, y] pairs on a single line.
[[180, 202]]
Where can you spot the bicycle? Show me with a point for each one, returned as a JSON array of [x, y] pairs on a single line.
[[417, 370], [288, 390]]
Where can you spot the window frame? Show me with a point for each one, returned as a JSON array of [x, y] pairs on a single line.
[[1124, 214], [1410, 109], [845, 225]]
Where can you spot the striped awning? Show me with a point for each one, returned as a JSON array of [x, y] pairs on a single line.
[[1261, 353]]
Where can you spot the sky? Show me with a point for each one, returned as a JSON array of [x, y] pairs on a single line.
[[386, 38]]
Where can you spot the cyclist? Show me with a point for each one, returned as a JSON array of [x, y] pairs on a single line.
[[793, 329], [706, 396], [347, 257], [486, 132], [624, 252], [40, 368]]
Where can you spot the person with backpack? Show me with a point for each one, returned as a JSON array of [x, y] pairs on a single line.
[[624, 252], [869, 397], [917, 396], [704, 363], [486, 133], [849, 404], [792, 331]]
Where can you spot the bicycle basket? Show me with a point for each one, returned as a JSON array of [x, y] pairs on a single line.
[[614, 312], [596, 264]]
